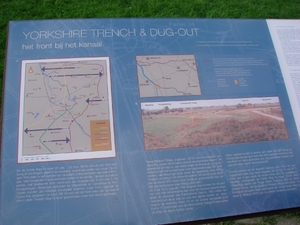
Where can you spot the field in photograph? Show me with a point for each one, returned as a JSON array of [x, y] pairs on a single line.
[[205, 126]]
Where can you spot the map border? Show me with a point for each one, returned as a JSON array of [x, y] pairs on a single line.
[[173, 54], [64, 156]]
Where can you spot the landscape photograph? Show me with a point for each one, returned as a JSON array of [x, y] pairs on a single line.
[[181, 124]]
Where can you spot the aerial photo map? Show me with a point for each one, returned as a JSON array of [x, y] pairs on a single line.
[[65, 110]]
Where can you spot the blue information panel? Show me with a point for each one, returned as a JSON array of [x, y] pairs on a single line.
[[145, 121]]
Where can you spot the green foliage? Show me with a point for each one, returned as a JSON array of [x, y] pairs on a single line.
[[268, 220]]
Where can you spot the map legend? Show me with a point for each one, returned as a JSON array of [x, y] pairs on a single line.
[[100, 135]]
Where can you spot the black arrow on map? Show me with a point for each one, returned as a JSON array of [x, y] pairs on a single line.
[[27, 130], [96, 100], [66, 140], [59, 68], [78, 75]]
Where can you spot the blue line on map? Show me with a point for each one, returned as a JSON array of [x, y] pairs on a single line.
[[43, 72], [36, 115], [173, 89], [148, 79], [69, 96], [63, 86]]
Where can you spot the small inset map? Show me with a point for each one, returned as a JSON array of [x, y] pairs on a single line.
[[167, 75], [65, 110]]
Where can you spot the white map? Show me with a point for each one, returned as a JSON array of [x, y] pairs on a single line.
[[167, 75], [65, 110]]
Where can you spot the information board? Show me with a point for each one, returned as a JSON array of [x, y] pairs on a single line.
[[149, 121]]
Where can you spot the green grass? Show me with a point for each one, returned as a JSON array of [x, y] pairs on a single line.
[[164, 126], [243, 116], [60, 9], [208, 121]]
